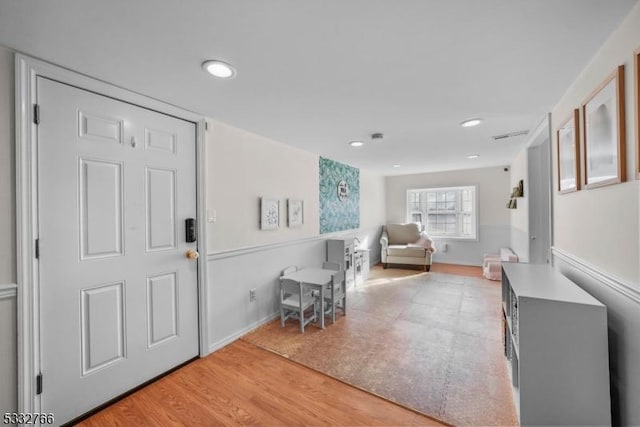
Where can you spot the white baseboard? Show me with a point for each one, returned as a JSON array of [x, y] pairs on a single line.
[[628, 289], [8, 291], [231, 338]]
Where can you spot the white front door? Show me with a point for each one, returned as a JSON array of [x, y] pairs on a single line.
[[118, 296]]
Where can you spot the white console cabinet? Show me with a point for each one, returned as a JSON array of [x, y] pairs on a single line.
[[555, 343]]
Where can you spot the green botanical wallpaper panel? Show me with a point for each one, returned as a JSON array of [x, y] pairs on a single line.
[[339, 196]]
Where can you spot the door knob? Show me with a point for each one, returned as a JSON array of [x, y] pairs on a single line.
[[191, 254]]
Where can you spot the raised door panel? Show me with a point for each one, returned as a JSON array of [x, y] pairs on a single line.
[[160, 140], [160, 189], [101, 208], [162, 308], [100, 128], [103, 326]]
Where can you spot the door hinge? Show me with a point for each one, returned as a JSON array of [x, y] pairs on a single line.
[[206, 125], [36, 114], [39, 383], [37, 247]]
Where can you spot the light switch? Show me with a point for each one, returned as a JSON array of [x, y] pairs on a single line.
[[211, 215]]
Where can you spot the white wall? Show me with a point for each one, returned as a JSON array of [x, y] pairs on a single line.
[[372, 200], [493, 218], [242, 167], [8, 352], [7, 170], [597, 247], [520, 216], [584, 224]]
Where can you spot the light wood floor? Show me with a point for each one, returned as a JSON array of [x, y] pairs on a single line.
[[460, 270], [245, 385]]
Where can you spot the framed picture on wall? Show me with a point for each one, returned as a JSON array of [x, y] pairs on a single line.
[[604, 133], [636, 61], [295, 213], [269, 213], [568, 153]]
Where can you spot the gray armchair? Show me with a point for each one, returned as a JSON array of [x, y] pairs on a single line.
[[405, 244]]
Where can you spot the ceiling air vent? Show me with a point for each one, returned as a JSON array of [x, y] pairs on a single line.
[[509, 135]]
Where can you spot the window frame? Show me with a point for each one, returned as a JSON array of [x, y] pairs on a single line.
[[412, 213], [409, 211]]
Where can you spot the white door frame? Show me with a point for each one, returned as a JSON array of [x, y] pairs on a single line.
[[542, 135], [26, 72]]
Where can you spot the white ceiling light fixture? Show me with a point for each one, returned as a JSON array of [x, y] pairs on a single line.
[[356, 143], [219, 69], [396, 166], [470, 123], [473, 156]]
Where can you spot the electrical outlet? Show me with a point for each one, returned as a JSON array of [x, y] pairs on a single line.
[[252, 295], [211, 215]]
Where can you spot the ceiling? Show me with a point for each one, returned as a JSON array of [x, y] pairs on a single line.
[[317, 74]]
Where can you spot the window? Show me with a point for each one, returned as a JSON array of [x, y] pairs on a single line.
[[449, 212]]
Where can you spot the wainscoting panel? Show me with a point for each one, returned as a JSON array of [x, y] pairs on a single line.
[[466, 252], [8, 349], [623, 312], [232, 274]]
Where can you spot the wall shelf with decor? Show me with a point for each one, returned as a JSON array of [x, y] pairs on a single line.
[[516, 193]]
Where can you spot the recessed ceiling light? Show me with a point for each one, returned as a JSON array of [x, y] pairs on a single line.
[[356, 143], [471, 122], [219, 69], [473, 156], [396, 166]]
